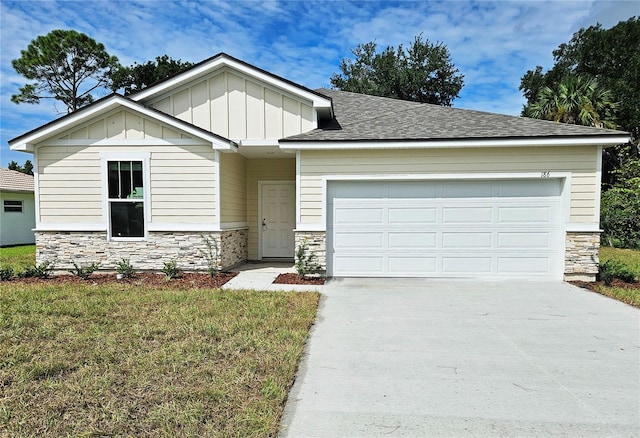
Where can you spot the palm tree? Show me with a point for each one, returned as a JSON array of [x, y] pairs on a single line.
[[578, 100]]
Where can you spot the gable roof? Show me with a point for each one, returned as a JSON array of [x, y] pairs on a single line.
[[360, 117], [320, 102], [26, 141], [14, 181]]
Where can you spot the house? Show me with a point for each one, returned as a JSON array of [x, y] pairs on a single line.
[[17, 216], [372, 186]]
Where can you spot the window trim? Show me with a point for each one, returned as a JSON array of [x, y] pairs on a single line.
[[144, 157], [4, 206]]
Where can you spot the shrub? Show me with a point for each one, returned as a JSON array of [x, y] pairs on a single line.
[[6, 273], [305, 260], [171, 270], [211, 255], [616, 269], [84, 272], [620, 207], [125, 268], [42, 270]]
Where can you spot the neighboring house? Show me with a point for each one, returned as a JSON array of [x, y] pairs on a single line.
[[17, 214], [375, 186]]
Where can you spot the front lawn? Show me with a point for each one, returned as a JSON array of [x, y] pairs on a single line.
[[123, 360], [628, 293], [18, 257]]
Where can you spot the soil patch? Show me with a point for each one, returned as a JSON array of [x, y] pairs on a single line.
[[187, 280], [293, 278], [594, 285]]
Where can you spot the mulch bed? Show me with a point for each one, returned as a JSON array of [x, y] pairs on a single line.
[[616, 282], [293, 278], [187, 280]]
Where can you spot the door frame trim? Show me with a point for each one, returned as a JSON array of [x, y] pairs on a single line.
[[261, 184]]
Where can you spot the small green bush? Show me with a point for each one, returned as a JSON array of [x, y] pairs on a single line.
[[305, 263], [6, 273], [125, 268], [42, 270], [613, 269], [171, 270], [84, 272], [211, 255]]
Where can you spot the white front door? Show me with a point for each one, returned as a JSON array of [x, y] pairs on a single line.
[[277, 219]]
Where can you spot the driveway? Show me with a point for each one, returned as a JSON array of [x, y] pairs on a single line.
[[417, 357]]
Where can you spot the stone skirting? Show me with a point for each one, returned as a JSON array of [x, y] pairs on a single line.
[[188, 249], [581, 255], [317, 244]]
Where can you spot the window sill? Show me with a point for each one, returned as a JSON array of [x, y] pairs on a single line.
[[127, 239]]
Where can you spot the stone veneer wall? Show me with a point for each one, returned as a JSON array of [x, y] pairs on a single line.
[[83, 248], [581, 255], [317, 243]]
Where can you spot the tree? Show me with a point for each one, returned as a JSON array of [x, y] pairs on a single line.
[[139, 76], [609, 56], [422, 73], [27, 168], [577, 100], [66, 66]]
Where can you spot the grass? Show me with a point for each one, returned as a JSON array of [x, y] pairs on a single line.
[[123, 361], [18, 257], [631, 258]]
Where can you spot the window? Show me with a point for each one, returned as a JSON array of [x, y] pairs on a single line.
[[126, 198], [13, 206]]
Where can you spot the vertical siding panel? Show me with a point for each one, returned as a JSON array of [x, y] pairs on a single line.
[[200, 105], [115, 125], [255, 111], [80, 133], [272, 114], [219, 106], [237, 108], [164, 105], [181, 105], [152, 129], [97, 129], [133, 126], [307, 118], [291, 116]]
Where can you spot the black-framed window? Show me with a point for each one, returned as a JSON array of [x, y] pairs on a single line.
[[126, 198], [13, 206]]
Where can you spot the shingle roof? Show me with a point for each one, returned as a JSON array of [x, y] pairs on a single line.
[[372, 118], [13, 181]]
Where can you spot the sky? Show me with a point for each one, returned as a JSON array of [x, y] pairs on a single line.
[[492, 43]]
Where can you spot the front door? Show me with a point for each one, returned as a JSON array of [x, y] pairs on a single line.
[[278, 219]]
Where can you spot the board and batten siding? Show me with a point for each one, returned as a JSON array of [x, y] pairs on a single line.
[[236, 107], [233, 188], [70, 179], [272, 169], [580, 161]]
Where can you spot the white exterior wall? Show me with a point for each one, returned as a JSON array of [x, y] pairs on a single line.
[[237, 107], [17, 228], [70, 181], [580, 162], [233, 190]]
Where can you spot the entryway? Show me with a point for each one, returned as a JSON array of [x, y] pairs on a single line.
[[277, 219]]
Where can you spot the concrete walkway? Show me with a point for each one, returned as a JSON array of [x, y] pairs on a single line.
[[411, 358], [260, 276]]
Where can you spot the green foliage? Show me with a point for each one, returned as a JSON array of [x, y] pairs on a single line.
[[613, 269], [211, 255], [305, 260], [27, 168], [42, 270], [84, 272], [125, 268], [171, 270], [6, 273], [609, 56], [620, 207], [422, 73], [139, 76], [65, 65]]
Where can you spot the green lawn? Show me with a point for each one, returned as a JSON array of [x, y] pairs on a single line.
[[18, 257], [631, 258], [126, 361]]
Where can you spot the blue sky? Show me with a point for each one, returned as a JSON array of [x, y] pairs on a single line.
[[493, 43]]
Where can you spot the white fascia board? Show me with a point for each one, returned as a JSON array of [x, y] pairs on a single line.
[[586, 227], [220, 62], [462, 143], [28, 143]]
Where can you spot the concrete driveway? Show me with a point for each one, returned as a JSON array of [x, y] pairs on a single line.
[[409, 358]]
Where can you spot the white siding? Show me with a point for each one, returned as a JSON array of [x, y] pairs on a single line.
[[233, 188], [581, 162], [236, 106]]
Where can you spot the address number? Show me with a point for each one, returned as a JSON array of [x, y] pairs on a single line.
[[545, 174]]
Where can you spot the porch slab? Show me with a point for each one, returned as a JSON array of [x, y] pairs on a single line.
[[260, 276]]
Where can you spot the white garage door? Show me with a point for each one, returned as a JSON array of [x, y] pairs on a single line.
[[506, 228]]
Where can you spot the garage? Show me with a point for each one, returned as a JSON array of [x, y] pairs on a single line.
[[445, 228]]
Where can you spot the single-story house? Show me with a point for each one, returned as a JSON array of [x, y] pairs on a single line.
[[373, 186], [18, 213]]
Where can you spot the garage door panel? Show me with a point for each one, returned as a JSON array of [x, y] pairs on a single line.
[[462, 215], [446, 228], [412, 215], [411, 240]]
